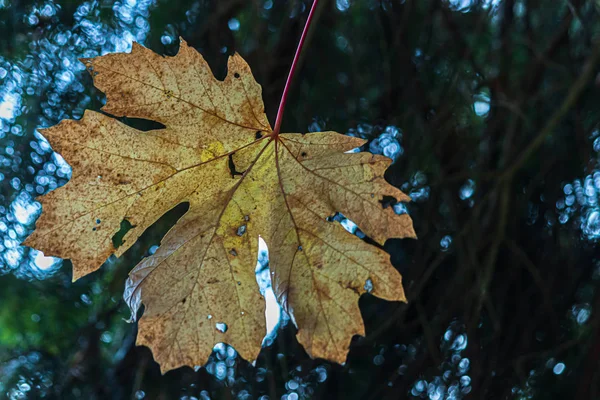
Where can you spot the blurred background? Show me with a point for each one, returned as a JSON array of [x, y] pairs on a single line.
[[490, 110]]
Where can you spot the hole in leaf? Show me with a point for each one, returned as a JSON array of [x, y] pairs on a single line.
[[369, 285], [231, 166], [141, 124], [258, 134], [388, 201], [236, 75], [274, 314], [221, 327], [117, 239], [333, 217]]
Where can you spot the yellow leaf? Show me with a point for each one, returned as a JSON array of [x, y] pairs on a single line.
[[199, 287]]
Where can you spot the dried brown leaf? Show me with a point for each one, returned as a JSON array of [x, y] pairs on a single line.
[[203, 272]]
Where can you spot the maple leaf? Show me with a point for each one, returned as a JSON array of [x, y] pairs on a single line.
[[282, 187]]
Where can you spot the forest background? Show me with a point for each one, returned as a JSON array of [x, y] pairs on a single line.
[[490, 110]]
